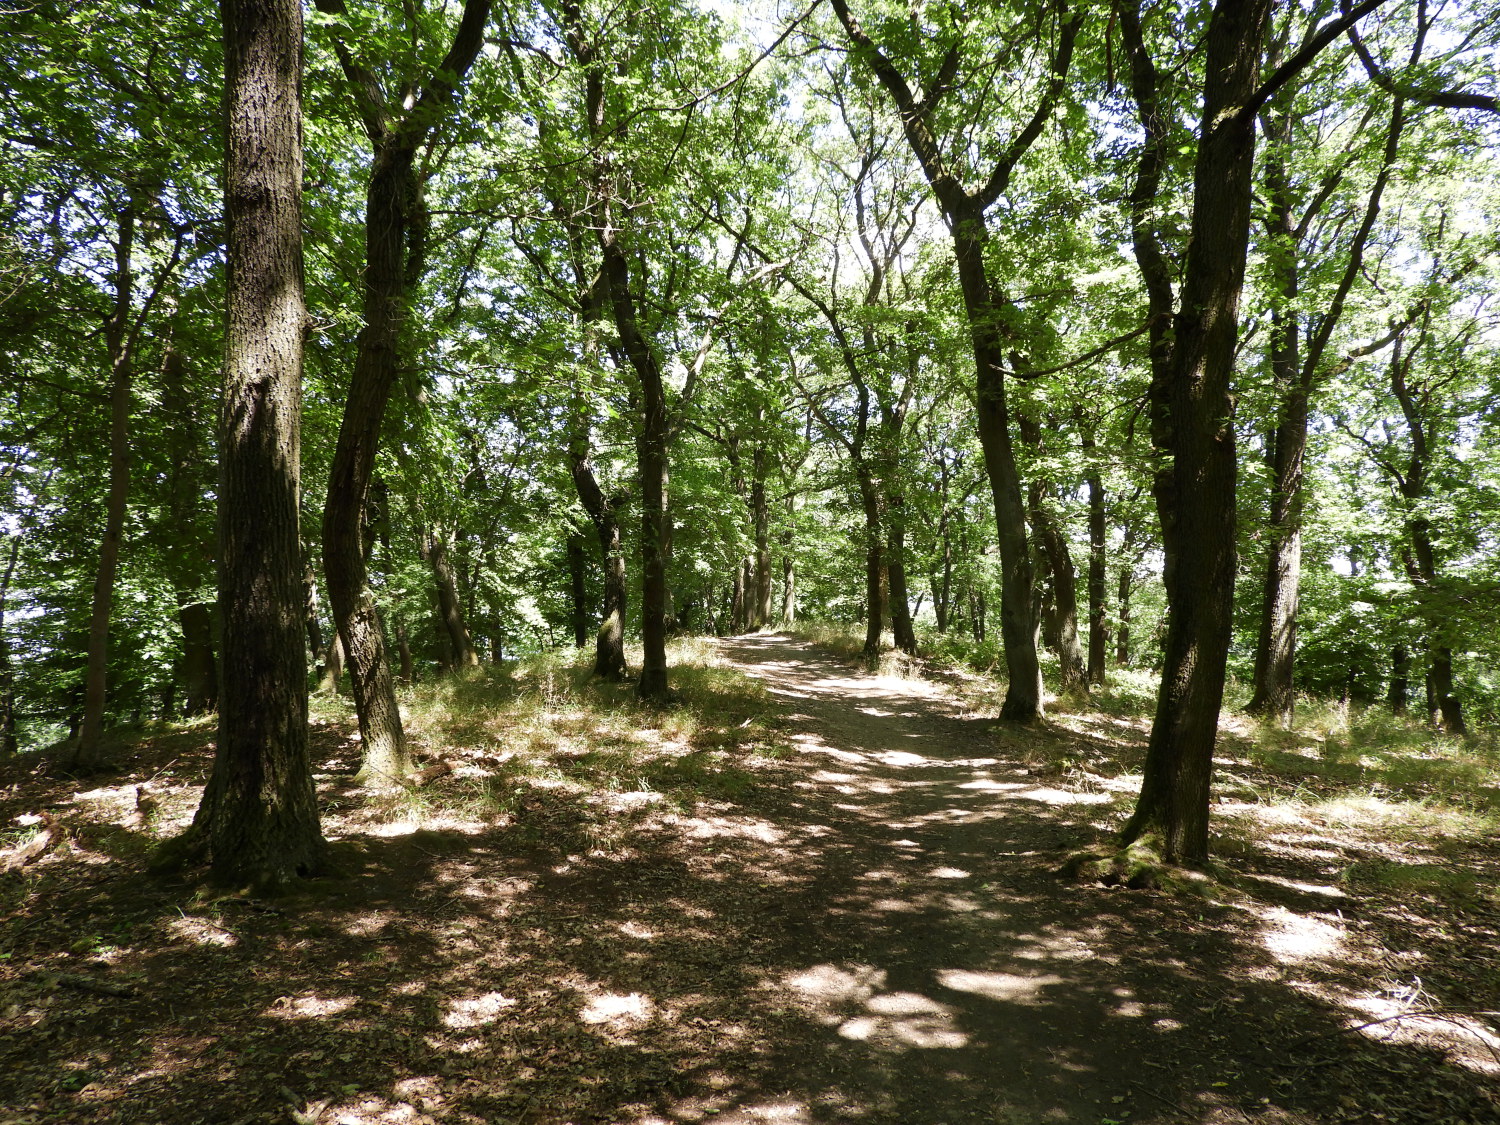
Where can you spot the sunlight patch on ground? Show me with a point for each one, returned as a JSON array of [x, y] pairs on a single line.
[[1393, 1016], [200, 932], [618, 1010], [948, 873], [902, 758], [1292, 938], [1009, 987], [990, 785], [740, 828], [1293, 885], [1050, 796], [475, 1011], [310, 1007], [851, 1000], [369, 925], [781, 1112]]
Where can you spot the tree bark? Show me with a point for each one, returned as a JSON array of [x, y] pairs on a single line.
[[904, 635], [450, 605], [259, 814], [9, 739], [1063, 626], [609, 651], [761, 517], [1400, 689], [739, 614], [394, 228], [1191, 416], [88, 752], [1098, 561]]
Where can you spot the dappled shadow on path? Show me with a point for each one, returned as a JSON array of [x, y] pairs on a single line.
[[873, 936]]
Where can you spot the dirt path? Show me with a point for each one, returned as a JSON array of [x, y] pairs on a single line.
[[959, 980], [868, 931]]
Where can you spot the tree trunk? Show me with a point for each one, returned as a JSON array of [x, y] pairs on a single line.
[[310, 611], [1023, 693], [395, 233], [259, 813], [450, 605], [609, 651], [761, 515], [874, 562], [1192, 427], [903, 633], [331, 674], [739, 600], [387, 216], [403, 653], [1400, 687], [1098, 563], [88, 753], [1122, 636], [788, 568], [9, 740], [200, 678], [1063, 626]]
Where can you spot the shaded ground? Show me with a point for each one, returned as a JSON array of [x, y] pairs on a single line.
[[873, 933]]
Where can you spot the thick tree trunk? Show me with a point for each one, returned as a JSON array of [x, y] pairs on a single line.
[[259, 813], [389, 198], [310, 614], [1192, 429], [609, 651], [88, 752], [1062, 621], [331, 674], [395, 232], [1276, 643]]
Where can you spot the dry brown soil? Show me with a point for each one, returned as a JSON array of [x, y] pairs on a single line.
[[872, 934]]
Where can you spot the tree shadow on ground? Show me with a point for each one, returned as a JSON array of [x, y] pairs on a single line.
[[874, 934]]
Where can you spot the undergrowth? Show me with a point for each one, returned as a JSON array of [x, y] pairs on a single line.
[[572, 761]]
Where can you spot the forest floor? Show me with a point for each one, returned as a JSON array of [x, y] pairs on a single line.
[[858, 919]]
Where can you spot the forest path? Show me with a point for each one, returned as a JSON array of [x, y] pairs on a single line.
[[956, 977]]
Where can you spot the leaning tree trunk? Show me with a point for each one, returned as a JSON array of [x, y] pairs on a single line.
[[450, 605], [88, 752], [1192, 423], [1023, 692], [388, 198], [259, 813]]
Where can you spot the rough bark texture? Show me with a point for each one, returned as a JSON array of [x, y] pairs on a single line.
[[394, 228], [761, 518], [1400, 689], [902, 632], [259, 814], [1191, 416], [88, 751]]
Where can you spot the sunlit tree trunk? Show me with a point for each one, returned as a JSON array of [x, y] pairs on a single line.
[[259, 814]]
